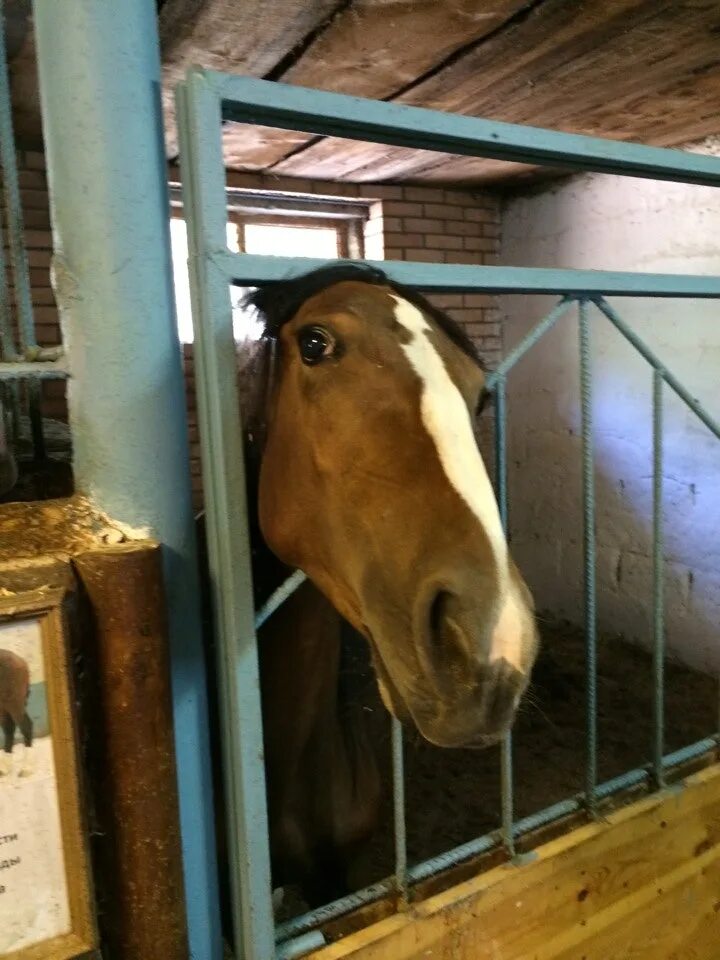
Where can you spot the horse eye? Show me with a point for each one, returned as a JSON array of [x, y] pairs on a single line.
[[315, 345]]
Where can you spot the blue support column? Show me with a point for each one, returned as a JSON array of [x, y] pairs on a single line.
[[100, 88]]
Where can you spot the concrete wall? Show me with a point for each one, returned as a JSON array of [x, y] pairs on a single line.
[[618, 224]]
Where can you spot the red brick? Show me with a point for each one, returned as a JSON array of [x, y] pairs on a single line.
[[491, 230], [440, 241], [446, 301], [480, 215], [32, 160], [459, 198], [38, 239], [34, 199], [443, 211], [47, 315], [463, 256], [484, 244], [424, 194], [39, 258], [461, 228], [395, 253], [48, 334], [380, 191], [421, 225], [37, 219], [479, 300], [43, 296], [426, 256], [32, 180], [396, 209], [405, 239]]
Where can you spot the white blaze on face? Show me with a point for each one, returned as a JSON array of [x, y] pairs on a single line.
[[446, 418]]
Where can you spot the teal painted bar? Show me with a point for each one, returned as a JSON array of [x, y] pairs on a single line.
[[248, 100], [221, 436], [398, 785], [658, 577], [589, 554], [252, 270], [99, 73], [52, 370], [507, 803]]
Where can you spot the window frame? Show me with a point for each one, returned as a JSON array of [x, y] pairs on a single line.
[[281, 208]]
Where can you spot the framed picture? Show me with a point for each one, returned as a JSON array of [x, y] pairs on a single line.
[[46, 908]]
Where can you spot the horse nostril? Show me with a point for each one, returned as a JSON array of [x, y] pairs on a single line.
[[438, 613]]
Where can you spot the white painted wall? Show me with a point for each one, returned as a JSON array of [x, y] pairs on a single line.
[[618, 224]]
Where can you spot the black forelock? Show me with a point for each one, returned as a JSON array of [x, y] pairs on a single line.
[[277, 303]]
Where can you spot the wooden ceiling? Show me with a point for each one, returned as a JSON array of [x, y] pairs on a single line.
[[643, 70]]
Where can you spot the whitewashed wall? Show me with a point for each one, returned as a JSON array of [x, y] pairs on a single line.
[[618, 224]]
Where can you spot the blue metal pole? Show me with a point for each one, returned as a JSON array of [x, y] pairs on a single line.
[[100, 88]]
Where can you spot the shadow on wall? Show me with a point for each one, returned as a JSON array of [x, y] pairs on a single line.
[[545, 479]]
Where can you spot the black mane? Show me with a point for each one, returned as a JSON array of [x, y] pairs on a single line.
[[278, 302]]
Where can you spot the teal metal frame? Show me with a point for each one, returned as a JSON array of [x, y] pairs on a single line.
[[204, 100]]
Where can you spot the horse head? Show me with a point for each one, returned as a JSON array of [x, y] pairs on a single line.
[[372, 483]]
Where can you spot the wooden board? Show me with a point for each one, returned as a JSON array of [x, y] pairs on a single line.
[[251, 37], [642, 885], [631, 69], [372, 48]]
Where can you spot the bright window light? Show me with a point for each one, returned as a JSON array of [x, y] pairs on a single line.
[[275, 240], [260, 238]]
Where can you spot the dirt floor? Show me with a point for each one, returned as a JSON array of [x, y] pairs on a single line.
[[453, 795]]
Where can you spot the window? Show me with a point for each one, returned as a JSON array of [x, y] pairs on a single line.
[[271, 224]]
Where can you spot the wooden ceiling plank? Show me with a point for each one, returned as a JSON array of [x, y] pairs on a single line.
[[670, 116], [642, 50], [374, 49], [245, 37], [493, 72]]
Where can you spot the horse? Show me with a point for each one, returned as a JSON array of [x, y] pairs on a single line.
[[14, 693], [363, 471]]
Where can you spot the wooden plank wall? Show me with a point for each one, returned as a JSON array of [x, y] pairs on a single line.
[[643, 885]]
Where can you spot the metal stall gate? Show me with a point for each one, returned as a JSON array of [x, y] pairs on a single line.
[[204, 101], [22, 360]]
